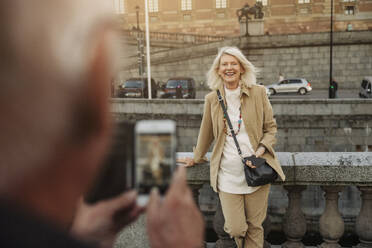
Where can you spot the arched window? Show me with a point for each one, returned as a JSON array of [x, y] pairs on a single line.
[[221, 4], [153, 5], [186, 4], [264, 2], [119, 6]]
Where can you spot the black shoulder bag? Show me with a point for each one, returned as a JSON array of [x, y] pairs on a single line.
[[263, 173]]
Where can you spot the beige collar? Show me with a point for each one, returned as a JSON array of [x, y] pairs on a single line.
[[243, 90]]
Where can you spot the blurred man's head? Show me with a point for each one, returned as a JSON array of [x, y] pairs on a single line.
[[55, 70]]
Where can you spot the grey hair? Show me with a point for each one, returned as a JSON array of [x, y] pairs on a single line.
[[47, 47], [247, 78]]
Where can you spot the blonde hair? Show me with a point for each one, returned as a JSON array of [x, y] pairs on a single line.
[[247, 78]]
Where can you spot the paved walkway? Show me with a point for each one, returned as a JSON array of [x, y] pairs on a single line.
[[213, 245]]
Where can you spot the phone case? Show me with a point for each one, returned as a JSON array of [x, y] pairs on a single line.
[[116, 174]]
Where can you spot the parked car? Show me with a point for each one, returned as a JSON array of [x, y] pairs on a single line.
[[180, 87], [299, 85], [366, 88], [268, 93], [137, 87]]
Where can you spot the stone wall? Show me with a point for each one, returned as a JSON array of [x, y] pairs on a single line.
[[296, 55], [303, 125]]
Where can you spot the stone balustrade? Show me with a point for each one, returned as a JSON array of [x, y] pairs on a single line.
[[332, 171]]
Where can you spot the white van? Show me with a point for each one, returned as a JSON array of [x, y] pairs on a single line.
[[366, 88]]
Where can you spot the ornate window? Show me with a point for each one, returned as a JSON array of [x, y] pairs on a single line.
[[119, 6], [349, 10], [350, 7], [186, 4], [264, 2], [221, 4], [303, 1], [153, 5]]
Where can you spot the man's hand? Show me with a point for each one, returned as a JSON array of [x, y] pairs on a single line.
[[175, 221], [99, 223]]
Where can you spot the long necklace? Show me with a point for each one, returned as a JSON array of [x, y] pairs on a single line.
[[239, 122]]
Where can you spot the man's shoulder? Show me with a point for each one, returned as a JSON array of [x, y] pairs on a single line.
[[21, 229]]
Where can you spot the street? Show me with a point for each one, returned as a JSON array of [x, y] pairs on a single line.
[[314, 94], [318, 94]]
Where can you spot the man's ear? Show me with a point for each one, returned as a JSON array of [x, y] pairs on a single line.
[[99, 79], [90, 152]]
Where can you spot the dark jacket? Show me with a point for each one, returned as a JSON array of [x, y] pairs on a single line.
[[21, 230]]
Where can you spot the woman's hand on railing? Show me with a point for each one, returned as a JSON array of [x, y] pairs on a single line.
[[187, 162]]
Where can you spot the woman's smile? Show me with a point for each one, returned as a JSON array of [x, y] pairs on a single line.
[[230, 70]]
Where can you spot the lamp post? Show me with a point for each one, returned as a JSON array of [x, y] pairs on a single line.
[[148, 48], [139, 45], [331, 89]]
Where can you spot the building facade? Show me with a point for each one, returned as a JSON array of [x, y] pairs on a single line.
[[219, 17]]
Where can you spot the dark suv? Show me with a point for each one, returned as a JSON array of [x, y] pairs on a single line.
[[180, 87], [137, 87]]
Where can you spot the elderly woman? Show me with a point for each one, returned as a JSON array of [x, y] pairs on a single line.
[[249, 109]]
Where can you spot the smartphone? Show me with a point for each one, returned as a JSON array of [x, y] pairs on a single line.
[[155, 151], [117, 174]]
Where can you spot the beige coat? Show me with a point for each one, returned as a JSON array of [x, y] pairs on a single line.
[[257, 115]]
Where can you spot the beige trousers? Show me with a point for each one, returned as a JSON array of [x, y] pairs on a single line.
[[244, 215]]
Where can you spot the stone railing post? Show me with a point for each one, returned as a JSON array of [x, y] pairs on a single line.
[[195, 188], [331, 224], [294, 223], [363, 224]]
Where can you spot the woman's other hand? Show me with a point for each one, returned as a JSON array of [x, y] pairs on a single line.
[[260, 151], [187, 162]]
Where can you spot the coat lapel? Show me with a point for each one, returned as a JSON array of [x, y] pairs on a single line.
[[248, 105]]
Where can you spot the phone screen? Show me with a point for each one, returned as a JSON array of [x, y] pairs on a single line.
[[155, 155]]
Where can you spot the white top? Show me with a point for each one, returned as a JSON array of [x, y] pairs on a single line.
[[231, 178]]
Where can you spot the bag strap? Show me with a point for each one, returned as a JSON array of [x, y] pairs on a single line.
[[220, 99]]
